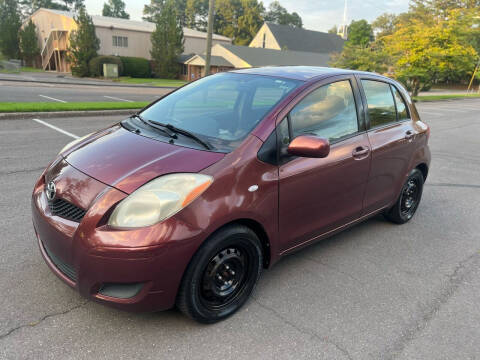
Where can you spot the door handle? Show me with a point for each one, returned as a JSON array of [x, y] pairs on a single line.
[[360, 151], [409, 135]]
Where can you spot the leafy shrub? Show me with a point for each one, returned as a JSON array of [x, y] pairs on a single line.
[[96, 64], [136, 67]]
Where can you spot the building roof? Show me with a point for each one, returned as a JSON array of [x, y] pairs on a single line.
[[271, 57], [298, 39], [134, 25], [217, 61]]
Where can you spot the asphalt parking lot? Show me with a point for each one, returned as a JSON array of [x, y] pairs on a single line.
[[62, 93], [376, 291]]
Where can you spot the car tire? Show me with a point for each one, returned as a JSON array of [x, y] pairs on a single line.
[[409, 199], [221, 275]]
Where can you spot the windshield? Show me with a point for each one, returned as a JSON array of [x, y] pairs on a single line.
[[221, 109]]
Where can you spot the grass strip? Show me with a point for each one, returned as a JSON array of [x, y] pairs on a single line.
[[151, 81], [445, 97], [9, 107]]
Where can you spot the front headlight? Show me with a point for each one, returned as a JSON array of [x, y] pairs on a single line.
[[158, 200], [74, 142]]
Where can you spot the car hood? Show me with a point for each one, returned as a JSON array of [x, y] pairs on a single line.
[[126, 161]]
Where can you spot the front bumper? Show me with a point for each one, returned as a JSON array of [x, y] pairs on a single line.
[[90, 257]]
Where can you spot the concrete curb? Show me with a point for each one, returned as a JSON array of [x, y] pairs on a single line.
[[63, 114], [86, 84]]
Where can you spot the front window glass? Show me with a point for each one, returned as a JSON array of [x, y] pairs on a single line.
[[381, 107], [222, 109], [328, 112]]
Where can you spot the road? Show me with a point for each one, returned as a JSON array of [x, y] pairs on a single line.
[[376, 291], [37, 92]]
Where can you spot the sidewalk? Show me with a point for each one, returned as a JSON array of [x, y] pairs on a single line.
[[67, 78], [446, 92]]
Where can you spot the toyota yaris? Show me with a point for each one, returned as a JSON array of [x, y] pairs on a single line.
[[187, 201]]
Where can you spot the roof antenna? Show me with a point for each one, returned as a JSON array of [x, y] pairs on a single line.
[[343, 30]]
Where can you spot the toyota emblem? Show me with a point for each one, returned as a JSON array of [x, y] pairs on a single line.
[[50, 191]]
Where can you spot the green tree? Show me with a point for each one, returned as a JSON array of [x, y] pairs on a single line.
[[238, 19], [249, 22], [333, 30], [384, 24], [196, 14], [360, 33], [279, 15], [28, 7], [29, 49], [9, 27], [371, 58], [155, 8], [84, 44], [167, 41], [116, 9], [423, 53]]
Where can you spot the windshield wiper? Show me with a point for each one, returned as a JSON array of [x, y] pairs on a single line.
[[186, 133], [154, 124]]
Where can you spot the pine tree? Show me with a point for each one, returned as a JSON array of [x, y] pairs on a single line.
[[28, 7], [84, 44], [116, 9], [167, 41], [9, 27], [29, 49], [150, 12]]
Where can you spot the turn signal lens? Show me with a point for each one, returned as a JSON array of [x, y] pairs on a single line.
[[158, 200]]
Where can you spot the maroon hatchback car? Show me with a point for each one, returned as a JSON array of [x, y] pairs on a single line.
[[187, 201]]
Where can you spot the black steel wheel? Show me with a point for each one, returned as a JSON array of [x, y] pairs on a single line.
[[221, 275], [406, 205]]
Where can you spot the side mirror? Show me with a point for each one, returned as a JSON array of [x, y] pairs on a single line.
[[309, 146]]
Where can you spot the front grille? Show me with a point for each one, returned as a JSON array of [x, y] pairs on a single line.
[[64, 268], [66, 210]]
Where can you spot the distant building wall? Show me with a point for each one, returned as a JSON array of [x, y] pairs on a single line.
[[46, 21], [264, 35], [138, 43]]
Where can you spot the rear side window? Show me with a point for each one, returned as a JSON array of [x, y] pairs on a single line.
[[381, 106], [401, 106], [328, 112]]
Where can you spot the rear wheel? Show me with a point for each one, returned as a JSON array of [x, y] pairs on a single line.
[[409, 199], [221, 275]]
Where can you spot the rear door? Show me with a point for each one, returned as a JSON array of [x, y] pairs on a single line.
[[319, 195], [390, 132]]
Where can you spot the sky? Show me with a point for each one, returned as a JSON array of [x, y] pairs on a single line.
[[318, 15]]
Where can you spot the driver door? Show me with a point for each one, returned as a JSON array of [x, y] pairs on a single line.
[[319, 195]]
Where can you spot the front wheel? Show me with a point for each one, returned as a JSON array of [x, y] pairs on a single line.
[[221, 275], [407, 203]]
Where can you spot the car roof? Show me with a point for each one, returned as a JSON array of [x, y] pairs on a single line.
[[304, 73]]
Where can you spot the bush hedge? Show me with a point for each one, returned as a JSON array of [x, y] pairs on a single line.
[[136, 67], [96, 64]]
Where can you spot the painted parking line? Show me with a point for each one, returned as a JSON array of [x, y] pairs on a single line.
[[50, 98], [115, 98], [56, 128]]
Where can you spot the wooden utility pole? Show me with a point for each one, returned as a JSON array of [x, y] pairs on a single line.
[[211, 8]]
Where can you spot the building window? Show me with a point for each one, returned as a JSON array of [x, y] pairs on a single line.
[[184, 69], [120, 41], [264, 39]]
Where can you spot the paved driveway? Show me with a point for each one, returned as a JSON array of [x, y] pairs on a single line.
[[376, 291]]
